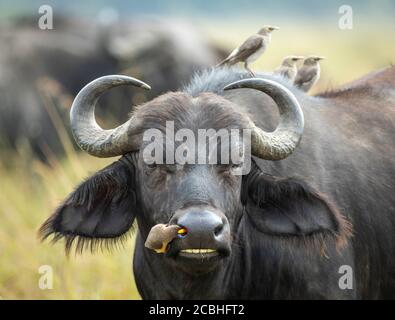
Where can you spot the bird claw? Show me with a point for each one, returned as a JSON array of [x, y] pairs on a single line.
[[162, 250], [250, 72]]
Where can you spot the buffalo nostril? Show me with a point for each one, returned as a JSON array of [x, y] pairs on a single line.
[[218, 229]]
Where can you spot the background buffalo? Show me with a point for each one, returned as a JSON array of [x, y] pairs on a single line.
[[43, 71]]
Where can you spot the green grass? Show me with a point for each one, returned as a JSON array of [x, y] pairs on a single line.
[[30, 191]]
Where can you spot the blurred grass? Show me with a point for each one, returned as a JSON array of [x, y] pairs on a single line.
[[349, 53], [30, 190]]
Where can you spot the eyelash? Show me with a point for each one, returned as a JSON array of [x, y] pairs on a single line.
[[229, 167], [152, 165], [166, 168], [222, 168]]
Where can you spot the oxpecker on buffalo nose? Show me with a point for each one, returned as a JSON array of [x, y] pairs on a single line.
[[161, 235]]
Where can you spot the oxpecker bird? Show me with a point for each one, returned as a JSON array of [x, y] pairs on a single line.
[[161, 235], [288, 69], [309, 73], [251, 49]]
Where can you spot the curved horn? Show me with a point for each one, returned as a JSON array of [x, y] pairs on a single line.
[[280, 143], [88, 134]]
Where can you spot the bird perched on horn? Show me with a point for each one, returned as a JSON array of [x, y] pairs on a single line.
[[251, 49], [309, 73], [288, 69]]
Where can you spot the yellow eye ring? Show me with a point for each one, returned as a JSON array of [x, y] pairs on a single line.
[[182, 232]]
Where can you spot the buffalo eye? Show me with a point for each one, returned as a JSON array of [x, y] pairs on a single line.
[[163, 168], [228, 168], [169, 168], [152, 165], [150, 168]]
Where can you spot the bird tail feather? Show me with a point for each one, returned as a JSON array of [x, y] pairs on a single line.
[[223, 62]]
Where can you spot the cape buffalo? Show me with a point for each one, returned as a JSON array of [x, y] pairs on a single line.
[[317, 224], [38, 67]]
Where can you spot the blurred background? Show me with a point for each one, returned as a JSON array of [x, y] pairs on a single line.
[[161, 43]]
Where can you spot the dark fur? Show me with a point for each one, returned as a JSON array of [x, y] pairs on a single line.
[[103, 194], [275, 195], [290, 235]]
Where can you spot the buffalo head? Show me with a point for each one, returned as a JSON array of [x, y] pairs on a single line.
[[208, 200]]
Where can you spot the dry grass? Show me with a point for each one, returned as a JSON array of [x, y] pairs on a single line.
[[29, 190]]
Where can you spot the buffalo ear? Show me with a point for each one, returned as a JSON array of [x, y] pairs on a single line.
[[291, 207], [100, 209]]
